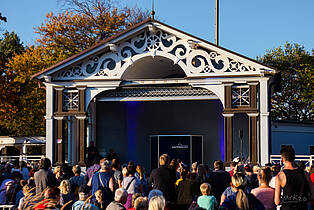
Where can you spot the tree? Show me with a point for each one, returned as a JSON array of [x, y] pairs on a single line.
[[86, 23], [10, 45], [22, 105], [295, 101]]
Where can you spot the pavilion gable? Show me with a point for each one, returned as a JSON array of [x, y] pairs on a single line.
[[196, 57]]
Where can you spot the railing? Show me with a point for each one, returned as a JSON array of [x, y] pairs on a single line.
[[308, 159], [21, 157], [7, 207]]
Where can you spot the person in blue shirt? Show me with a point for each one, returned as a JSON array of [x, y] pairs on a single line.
[[206, 201]]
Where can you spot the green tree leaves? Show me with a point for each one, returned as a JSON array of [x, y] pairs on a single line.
[[296, 99]]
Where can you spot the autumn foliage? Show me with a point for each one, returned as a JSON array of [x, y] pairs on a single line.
[[22, 101]]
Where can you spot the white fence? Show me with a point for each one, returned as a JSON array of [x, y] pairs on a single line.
[[308, 159], [21, 157], [7, 207]]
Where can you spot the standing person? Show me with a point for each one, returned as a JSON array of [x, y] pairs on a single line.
[[184, 191], [219, 180], [232, 167], [117, 174], [81, 204], [157, 203], [58, 172], [264, 192], [206, 201], [293, 182], [92, 169], [164, 179], [241, 199], [103, 180], [24, 170], [193, 173], [77, 180], [44, 177], [65, 194], [131, 184], [120, 198], [252, 181]]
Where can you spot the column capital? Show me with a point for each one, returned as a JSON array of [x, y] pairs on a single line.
[[228, 83], [252, 83], [81, 87], [228, 114], [48, 117], [80, 117], [253, 114], [58, 117], [59, 88]]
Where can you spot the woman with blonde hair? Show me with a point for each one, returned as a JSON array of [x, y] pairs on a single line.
[[264, 192], [66, 195], [157, 203], [241, 199]]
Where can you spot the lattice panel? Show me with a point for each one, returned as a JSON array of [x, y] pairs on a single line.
[[70, 100], [240, 96]]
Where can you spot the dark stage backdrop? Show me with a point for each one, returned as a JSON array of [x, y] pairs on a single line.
[[126, 126]]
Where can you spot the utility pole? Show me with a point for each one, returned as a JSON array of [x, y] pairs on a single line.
[[153, 10], [217, 23]]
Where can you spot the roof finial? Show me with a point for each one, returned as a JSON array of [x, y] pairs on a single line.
[[153, 11]]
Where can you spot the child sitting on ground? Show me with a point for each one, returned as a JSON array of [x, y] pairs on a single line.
[[206, 201]]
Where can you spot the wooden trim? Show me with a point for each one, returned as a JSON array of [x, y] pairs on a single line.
[[60, 146], [241, 110], [223, 76], [59, 99], [81, 143], [81, 100], [228, 97], [253, 96], [71, 113], [228, 130], [253, 138]]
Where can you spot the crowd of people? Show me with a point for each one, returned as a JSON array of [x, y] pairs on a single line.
[[107, 184]]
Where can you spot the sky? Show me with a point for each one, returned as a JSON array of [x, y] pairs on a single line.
[[248, 27]]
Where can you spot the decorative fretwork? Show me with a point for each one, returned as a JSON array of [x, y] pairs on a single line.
[[240, 96], [163, 91], [193, 59], [70, 100]]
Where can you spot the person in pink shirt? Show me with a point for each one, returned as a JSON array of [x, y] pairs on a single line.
[[264, 192]]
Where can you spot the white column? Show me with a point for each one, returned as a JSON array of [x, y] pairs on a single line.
[[264, 141], [49, 121]]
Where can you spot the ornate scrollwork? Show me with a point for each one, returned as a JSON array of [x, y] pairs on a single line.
[[193, 60]]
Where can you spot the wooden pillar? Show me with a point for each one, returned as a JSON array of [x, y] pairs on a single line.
[[228, 96], [253, 94], [253, 147], [81, 90], [59, 141], [59, 99], [228, 131], [59, 128], [81, 139]]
